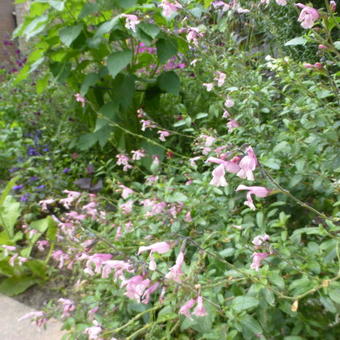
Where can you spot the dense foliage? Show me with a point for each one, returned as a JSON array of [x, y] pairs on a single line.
[[178, 162]]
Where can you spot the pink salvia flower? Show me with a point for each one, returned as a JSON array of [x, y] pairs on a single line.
[[221, 4], [94, 331], [118, 266], [137, 154], [332, 6], [147, 124], [42, 244], [253, 190], [68, 307], [248, 165], [218, 179], [126, 207], [257, 260], [308, 16], [163, 134], [229, 166], [169, 8], [220, 78], [126, 192], [260, 239], [193, 35], [80, 99], [123, 160], [159, 247], [131, 21], [175, 272], [229, 102], [37, 317], [185, 309], [199, 309], [281, 2], [208, 86], [232, 124]]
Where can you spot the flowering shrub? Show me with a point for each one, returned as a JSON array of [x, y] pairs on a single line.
[[219, 218]]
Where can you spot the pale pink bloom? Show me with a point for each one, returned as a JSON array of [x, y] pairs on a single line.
[[193, 35], [16, 258], [123, 160], [218, 179], [208, 86], [257, 260], [75, 215], [94, 331], [9, 248], [96, 260], [175, 272], [60, 257], [193, 160], [45, 203], [187, 217], [71, 197], [232, 124], [221, 4], [137, 154], [209, 140], [199, 309], [281, 2], [163, 134], [126, 207], [238, 227], [220, 78], [91, 313], [152, 179], [80, 99], [230, 166], [185, 309], [226, 114], [131, 21], [42, 244], [169, 8], [126, 192], [260, 239], [322, 47], [307, 16], [159, 247], [68, 307], [37, 317], [248, 165], [119, 233], [332, 6], [317, 66], [147, 124], [229, 102], [254, 190], [119, 268], [194, 62], [147, 294], [155, 161], [128, 226], [137, 288]]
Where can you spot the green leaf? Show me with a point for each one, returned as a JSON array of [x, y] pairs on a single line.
[[42, 83], [177, 197], [9, 213], [88, 9], [89, 81], [272, 163], [117, 61], [150, 29], [58, 5], [70, 33], [7, 189], [169, 82], [16, 285], [337, 44], [296, 41], [107, 27], [241, 303], [269, 296], [250, 324], [334, 294], [166, 48], [86, 141], [33, 28]]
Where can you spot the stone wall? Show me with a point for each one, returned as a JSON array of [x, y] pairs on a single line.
[[7, 25]]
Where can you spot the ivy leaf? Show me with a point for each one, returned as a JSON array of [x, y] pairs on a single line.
[[69, 34], [89, 81], [117, 61], [166, 48], [169, 82]]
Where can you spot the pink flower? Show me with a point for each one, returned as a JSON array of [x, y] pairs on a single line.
[[208, 86], [257, 260], [137, 154], [260, 239], [163, 134], [254, 190], [332, 6], [221, 4], [307, 16], [80, 99], [226, 114], [118, 266], [193, 35], [123, 160], [185, 309], [193, 160], [187, 217], [175, 272], [229, 166], [169, 8], [200, 310], [20, 260], [218, 179], [42, 244], [71, 197], [126, 192], [38, 317], [68, 306], [126, 207], [281, 2], [248, 164], [131, 21], [220, 78], [94, 331], [159, 247], [322, 47], [139, 289], [97, 260], [147, 124], [44, 204], [232, 124], [229, 102]]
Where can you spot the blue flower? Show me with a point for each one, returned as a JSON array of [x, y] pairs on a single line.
[[18, 187]]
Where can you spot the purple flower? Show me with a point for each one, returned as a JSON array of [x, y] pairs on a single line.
[[25, 197], [66, 170], [33, 179], [18, 187], [13, 170], [40, 187]]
